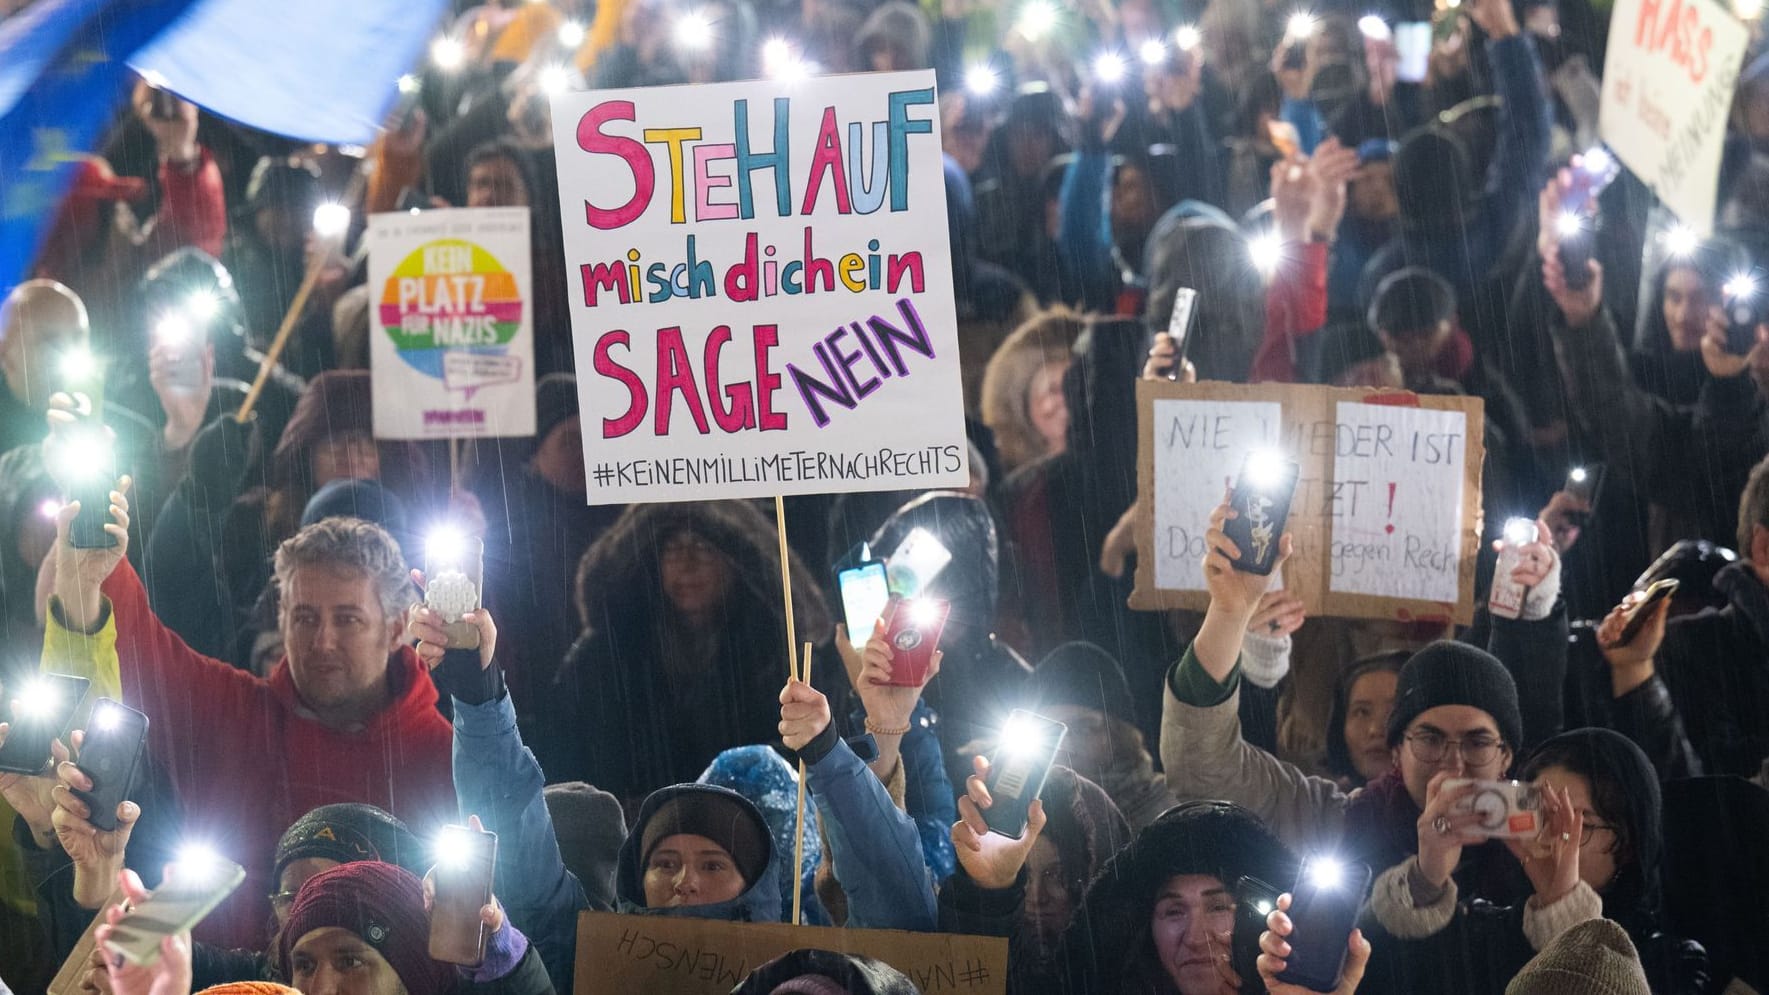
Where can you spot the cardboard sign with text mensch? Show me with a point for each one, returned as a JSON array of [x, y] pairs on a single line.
[[761, 288], [666, 955], [451, 324], [1386, 513], [1668, 77]]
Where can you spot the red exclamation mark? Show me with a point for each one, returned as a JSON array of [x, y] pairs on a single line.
[[1391, 507]]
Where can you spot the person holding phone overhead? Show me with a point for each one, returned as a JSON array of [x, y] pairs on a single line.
[[1455, 714], [349, 713]]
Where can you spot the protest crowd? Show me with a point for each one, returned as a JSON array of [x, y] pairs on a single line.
[[1393, 196]]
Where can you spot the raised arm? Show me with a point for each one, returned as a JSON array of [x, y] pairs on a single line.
[[497, 779], [874, 847]]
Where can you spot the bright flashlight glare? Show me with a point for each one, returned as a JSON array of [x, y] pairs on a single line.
[[448, 53], [776, 51], [1374, 27], [1266, 251], [1299, 26], [1596, 160], [107, 717], [198, 864], [1036, 20], [1152, 52], [49, 508], [1747, 10], [1569, 224], [84, 455], [38, 699], [1681, 240], [331, 220], [1742, 286], [174, 330], [555, 80], [1519, 531], [792, 69], [203, 305], [1187, 37], [923, 612], [78, 363], [1108, 67], [981, 80], [408, 84], [1265, 467], [1325, 872], [693, 31], [1263, 906], [571, 34], [1578, 475], [445, 543], [1020, 736], [453, 847]]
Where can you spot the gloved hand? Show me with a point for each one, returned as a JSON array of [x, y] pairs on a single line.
[[221, 454]]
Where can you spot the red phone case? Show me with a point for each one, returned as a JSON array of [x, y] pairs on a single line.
[[913, 646]]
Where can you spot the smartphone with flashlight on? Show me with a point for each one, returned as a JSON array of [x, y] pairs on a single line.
[[865, 591], [1028, 746], [1261, 501], [913, 627], [1179, 328], [465, 860], [1412, 43], [454, 574], [109, 755], [1743, 313], [1585, 483], [38, 711], [188, 895], [1324, 909], [1657, 591], [918, 559], [1507, 595], [1594, 172], [90, 459]]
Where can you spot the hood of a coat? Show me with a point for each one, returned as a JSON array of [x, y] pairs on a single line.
[[851, 974], [618, 582], [1109, 941], [966, 528], [1209, 255], [759, 903], [762, 775], [1633, 897]]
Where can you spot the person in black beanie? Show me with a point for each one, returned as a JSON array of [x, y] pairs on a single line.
[[1081, 686]]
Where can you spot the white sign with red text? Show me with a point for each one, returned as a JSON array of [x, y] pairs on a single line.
[[761, 288], [1668, 78]]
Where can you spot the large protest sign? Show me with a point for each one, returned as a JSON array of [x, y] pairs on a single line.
[[451, 324], [761, 297], [1387, 507], [1668, 77], [654, 955]]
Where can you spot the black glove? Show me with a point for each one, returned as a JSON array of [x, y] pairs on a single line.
[[221, 454]]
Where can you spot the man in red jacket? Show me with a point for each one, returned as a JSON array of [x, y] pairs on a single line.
[[348, 715]]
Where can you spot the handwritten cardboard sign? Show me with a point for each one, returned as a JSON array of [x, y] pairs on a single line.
[[451, 324], [653, 955], [1668, 77], [762, 288], [1386, 515]]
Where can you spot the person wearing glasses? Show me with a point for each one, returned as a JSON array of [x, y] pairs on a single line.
[[1601, 856], [1455, 715]]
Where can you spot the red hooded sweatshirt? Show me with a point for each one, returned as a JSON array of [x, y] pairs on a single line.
[[246, 759]]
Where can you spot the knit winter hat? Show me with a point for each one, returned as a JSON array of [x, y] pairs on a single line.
[[718, 818], [349, 832], [1085, 675], [1593, 958], [590, 827], [249, 988], [384, 906], [1452, 673]]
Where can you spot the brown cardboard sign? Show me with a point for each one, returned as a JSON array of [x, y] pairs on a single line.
[[1386, 516], [658, 955]]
